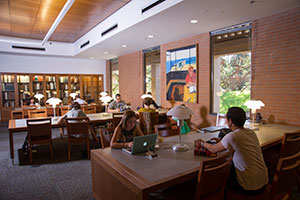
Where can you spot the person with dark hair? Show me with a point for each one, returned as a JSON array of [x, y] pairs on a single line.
[[153, 102], [73, 113], [31, 102], [78, 100], [249, 174], [117, 105], [146, 105], [126, 131]]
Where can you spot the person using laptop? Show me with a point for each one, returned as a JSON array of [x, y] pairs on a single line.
[[249, 174], [126, 131]]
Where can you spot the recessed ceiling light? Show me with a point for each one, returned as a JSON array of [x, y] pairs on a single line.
[[219, 37], [92, 58], [105, 52], [232, 34], [225, 36], [124, 45], [247, 31], [194, 21], [150, 36], [239, 33]]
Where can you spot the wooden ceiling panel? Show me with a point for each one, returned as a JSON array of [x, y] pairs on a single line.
[[32, 19]]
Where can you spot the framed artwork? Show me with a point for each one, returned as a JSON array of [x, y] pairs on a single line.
[[182, 74]]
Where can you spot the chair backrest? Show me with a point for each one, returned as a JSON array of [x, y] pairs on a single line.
[[39, 130], [64, 110], [77, 126], [213, 174], [147, 121], [16, 114], [25, 110], [50, 110], [221, 119], [117, 117], [165, 130], [37, 113], [89, 109], [285, 177], [106, 137], [290, 144]]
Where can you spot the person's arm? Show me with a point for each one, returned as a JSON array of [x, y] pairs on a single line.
[[139, 131], [214, 148], [117, 136], [111, 108]]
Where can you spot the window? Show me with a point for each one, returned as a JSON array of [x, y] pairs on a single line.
[[114, 66], [152, 72], [231, 67]]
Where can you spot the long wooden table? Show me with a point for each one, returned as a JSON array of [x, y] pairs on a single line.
[[19, 125], [117, 175]]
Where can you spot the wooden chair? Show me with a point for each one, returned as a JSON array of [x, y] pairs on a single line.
[[64, 110], [221, 119], [165, 130], [117, 117], [78, 132], [50, 110], [147, 121], [89, 109], [25, 110], [39, 132], [37, 113], [16, 114], [211, 181]]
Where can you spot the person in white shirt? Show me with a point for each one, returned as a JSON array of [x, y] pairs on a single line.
[[249, 174], [78, 100]]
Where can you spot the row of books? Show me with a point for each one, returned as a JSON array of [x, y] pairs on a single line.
[[51, 86], [9, 104], [23, 79], [8, 87], [8, 95], [8, 79]]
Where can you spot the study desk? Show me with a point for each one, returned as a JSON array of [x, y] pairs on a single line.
[[118, 175], [19, 125]]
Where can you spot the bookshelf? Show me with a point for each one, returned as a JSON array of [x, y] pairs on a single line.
[[17, 88], [23, 88]]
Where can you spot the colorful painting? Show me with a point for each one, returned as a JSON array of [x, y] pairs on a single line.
[[182, 74]]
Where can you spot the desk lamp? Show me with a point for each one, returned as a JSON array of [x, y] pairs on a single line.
[[146, 96], [105, 99], [180, 113], [73, 95], [53, 101], [39, 97], [254, 105]]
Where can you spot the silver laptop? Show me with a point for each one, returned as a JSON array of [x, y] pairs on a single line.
[[142, 144]]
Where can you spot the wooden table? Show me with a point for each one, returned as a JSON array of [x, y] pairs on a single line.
[[117, 175], [19, 125]]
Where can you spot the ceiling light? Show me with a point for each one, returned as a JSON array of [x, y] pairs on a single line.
[[124, 45], [92, 58], [247, 31], [105, 52], [150, 36], [239, 33], [219, 37], [231, 34], [225, 36], [194, 21]]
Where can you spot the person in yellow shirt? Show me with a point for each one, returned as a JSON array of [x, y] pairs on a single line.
[[147, 102]]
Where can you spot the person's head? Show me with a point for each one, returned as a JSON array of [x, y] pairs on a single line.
[[118, 98], [149, 93], [147, 101], [191, 70], [75, 105], [77, 97], [236, 116], [128, 121], [31, 100]]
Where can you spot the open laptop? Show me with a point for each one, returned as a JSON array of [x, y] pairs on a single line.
[[141, 144]]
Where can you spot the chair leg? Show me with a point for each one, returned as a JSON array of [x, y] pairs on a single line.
[[30, 154], [88, 149], [69, 151], [61, 130], [51, 150]]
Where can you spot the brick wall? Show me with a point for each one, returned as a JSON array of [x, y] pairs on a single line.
[[108, 86], [131, 78], [276, 66], [275, 70]]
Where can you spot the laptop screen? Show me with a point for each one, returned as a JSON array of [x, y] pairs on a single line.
[[141, 144]]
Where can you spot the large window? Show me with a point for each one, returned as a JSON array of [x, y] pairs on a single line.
[[231, 62], [114, 65], [152, 73]]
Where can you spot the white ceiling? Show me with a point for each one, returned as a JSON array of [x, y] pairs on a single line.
[[166, 24]]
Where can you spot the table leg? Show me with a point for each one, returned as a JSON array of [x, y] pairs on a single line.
[[11, 144]]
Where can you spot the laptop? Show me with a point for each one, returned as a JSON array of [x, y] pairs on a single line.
[[141, 144]]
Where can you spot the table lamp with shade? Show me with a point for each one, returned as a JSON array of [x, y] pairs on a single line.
[[254, 105], [39, 97], [53, 101], [146, 96], [180, 113], [105, 99]]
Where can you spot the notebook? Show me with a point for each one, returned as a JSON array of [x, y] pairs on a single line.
[[213, 128], [141, 144]]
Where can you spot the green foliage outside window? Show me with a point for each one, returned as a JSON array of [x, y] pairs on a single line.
[[115, 82], [235, 83], [148, 79]]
